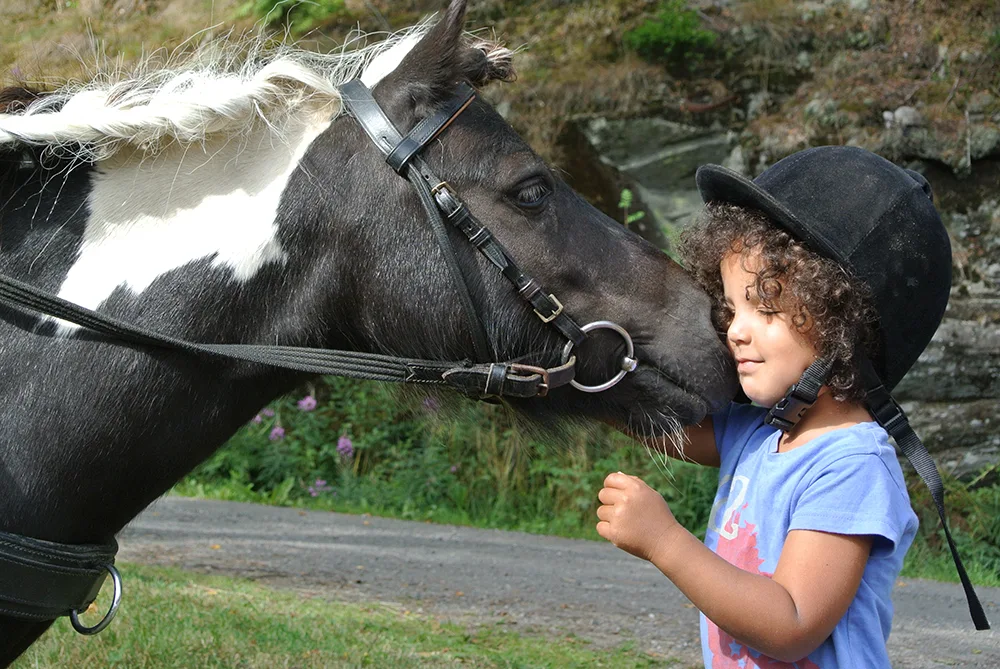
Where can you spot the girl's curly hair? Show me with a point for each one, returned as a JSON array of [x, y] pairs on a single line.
[[830, 308]]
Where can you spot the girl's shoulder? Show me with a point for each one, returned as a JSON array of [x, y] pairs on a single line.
[[738, 425], [868, 438]]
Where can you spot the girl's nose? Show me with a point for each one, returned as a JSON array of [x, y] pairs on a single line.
[[738, 333]]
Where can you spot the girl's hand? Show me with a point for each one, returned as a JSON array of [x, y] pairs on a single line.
[[633, 516]]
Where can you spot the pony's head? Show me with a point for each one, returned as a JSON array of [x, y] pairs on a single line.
[[395, 294], [188, 190]]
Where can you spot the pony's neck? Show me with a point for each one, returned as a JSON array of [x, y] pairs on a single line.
[[149, 216]]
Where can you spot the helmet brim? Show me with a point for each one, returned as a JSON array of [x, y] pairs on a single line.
[[718, 184]]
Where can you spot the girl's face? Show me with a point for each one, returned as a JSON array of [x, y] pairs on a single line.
[[770, 352]]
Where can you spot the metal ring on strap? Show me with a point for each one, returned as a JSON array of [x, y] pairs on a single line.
[[116, 599], [629, 363]]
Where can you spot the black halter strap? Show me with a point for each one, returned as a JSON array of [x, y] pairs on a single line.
[[402, 154], [42, 580]]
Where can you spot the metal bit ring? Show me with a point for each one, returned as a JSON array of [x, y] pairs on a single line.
[[628, 364]]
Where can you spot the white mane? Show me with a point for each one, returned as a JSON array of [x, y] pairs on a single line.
[[194, 156], [226, 88]]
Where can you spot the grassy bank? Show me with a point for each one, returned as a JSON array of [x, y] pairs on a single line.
[[172, 618], [359, 447]]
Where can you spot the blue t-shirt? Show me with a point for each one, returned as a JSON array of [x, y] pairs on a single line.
[[846, 481]]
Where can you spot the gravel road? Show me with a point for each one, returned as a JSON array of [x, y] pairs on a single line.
[[536, 584]]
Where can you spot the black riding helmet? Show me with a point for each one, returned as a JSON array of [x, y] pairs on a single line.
[[874, 218], [878, 221]]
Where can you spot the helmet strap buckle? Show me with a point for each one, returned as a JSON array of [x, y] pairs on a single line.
[[788, 411]]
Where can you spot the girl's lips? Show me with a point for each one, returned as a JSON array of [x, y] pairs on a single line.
[[747, 366]]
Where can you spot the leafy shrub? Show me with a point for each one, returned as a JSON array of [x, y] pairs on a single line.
[[299, 15], [674, 36], [974, 520], [624, 204], [356, 446]]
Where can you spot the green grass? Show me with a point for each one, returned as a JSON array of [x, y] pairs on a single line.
[[170, 618]]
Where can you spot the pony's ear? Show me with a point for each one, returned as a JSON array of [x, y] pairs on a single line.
[[427, 75], [483, 62], [433, 66]]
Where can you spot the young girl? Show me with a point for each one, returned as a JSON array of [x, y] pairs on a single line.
[[832, 258]]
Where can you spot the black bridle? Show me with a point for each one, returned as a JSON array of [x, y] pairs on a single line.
[[41, 580]]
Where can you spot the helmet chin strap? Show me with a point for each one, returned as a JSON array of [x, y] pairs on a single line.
[[890, 416], [887, 412], [789, 409]]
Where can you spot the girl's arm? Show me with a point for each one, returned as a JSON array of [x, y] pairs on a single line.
[[786, 616]]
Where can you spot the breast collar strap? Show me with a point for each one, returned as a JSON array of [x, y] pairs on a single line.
[[43, 580]]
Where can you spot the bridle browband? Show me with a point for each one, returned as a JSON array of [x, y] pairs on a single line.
[[42, 580]]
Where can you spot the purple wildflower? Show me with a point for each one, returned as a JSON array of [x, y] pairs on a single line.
[[345, 447], [307, 403], [257, 420], [277, 434], [269, 412], [431, 404], [16, 73], [312, 491], [320, 483], [454, 468]]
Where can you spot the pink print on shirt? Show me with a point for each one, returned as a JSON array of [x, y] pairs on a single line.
[[727, 652]]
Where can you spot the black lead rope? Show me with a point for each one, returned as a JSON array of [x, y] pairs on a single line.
[[520, 380], [890, 416]]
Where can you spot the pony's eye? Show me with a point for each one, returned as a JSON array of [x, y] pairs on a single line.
[[532, 194]]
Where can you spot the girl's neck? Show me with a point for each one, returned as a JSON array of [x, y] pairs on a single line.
[[825, 415]]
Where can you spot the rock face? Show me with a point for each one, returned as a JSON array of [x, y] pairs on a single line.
[[952, 395], [659, 158]]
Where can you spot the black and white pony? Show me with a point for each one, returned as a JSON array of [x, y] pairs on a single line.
[[232, 201]]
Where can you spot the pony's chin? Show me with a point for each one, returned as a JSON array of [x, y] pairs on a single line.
[[661, 406]]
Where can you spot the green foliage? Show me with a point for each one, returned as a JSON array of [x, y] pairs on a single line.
[[993, 44], [974, 520], [465, 463], [674, 36], [299, 15], [625, 203]]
